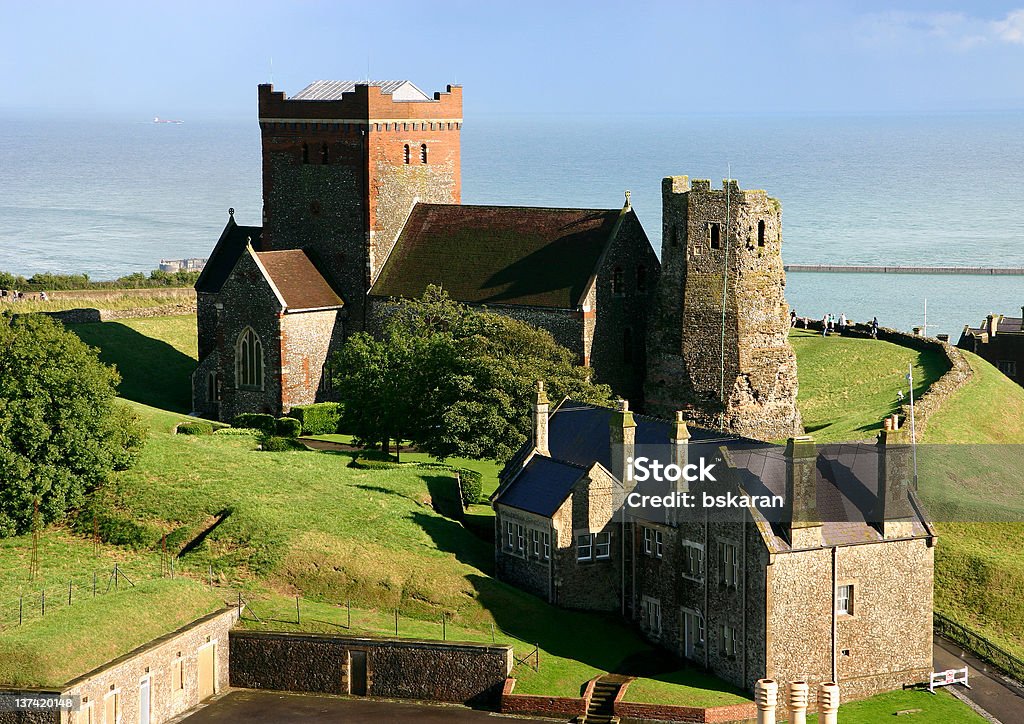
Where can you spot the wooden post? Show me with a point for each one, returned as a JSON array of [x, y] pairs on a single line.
[[298, 614], [69, 593], [116, 576], [211, 575], [396, 622], [43, 604], [94, 584], [444, 627], [492, 632], [21, 609], [239, 604], [348, 604]]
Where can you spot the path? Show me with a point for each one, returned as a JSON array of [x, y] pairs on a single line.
[[988, 689]]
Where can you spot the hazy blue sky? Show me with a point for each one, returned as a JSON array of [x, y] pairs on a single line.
[[180, 58]]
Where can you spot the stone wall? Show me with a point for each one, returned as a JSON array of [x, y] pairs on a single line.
[[556, 707], [395, 668], [630, 712], [307, 340], [524, 570]]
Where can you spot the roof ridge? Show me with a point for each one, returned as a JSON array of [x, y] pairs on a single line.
[[522, 206]]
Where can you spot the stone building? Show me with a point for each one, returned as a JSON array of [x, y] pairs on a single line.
[[361, 205], [833, 583], [999, 340]]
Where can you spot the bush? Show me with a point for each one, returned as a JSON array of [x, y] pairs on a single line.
[[237, 432], [321, 418], [264, 423], [288, 427], [472, 484], [199, 427], [369, 463], [275, 443]]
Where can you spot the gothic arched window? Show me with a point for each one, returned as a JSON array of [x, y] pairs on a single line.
[[618, 285], [213, 387], [249, 360], [423, 153]]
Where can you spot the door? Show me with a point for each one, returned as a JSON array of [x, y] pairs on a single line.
[[144, 706], [206, 671], [693, 633], [357, 673]]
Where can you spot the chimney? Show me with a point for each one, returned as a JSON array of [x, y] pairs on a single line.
[[801, 520], [540, 420], [892, 514], [992, 325], [622, 433], [679, 438]]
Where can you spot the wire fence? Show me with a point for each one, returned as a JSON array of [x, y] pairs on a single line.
[[980, 646]]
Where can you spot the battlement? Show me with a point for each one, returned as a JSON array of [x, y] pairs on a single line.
[[363, 104], [684, 185]]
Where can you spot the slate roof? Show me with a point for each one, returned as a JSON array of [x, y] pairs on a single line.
[[516, 255], [301, 285], [1007, 325], [332, 90], [230, 245], [578, 436]]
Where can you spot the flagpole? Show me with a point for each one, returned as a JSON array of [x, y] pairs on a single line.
[[913, 431]]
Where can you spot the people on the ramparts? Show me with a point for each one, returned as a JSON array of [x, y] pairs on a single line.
[[874, 328]]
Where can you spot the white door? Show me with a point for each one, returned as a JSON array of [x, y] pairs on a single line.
[[144, 706]]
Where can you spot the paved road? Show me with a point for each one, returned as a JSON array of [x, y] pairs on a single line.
[[246, 705], [988, 689]]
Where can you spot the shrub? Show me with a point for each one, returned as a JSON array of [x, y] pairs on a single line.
[[199, 427], [256, 421], [472, 483], [321, 418], [288, 427], [275, 443], [369, 463], [237, 431]]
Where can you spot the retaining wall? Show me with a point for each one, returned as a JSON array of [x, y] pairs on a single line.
[[533, 705], [466, 673]]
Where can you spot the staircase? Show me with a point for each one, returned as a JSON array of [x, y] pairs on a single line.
[[600, 707]]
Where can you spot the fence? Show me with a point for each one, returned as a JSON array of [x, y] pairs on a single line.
[[980, 646]]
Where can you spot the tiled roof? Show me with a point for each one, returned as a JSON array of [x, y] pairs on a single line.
[[298, 281], [542, 486], [332, 90], [499, 254], [230, 246]]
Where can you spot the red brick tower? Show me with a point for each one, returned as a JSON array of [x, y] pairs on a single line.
[[343, 164]]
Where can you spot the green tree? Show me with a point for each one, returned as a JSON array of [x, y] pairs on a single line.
[[453, 380], [61, 430]]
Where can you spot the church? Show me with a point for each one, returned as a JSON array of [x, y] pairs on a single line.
[[362, 205]]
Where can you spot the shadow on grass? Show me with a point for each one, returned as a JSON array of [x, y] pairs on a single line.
[[450, 537], [152, 372]]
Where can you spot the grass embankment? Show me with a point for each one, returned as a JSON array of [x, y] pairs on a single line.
[[98, 300]]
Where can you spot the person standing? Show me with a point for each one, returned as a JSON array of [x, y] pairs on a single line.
[[874, 328]]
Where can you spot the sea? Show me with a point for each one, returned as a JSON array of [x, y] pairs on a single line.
[[108, 197]]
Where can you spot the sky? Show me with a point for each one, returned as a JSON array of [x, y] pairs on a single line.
[[189, 59]]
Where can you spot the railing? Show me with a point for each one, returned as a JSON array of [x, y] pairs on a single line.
[[980, 646]]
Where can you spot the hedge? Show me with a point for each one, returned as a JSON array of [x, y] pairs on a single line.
[[288, 427], [199, 427], [321, 418], [275, 443], [471, 480], [264, 423], [472, 485]]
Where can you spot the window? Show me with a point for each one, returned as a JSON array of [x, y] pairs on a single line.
[[627, 346], [602, 545], [641, 278], [728, 640], [535, 543], [406, 156], [654, 544], [693, 632], [618, 285], [112, 707], [648, 540], [213, 387], [520, 539], [659, 546], [423, 153], [844, 600], [651, 608], [547, 546], [760, 232], [584, 547], [177, 675], [1007, 367], [326, 378], [714, 236], [305, 153], [510, 537], [249, 360], [693, 560], [728, 564], [325, 154]]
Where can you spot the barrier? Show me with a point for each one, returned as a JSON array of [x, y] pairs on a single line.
[[948, 678]]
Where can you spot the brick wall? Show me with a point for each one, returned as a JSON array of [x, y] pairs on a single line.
[[396, 668], [532, 705]]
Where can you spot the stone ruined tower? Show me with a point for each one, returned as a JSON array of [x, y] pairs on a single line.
[[344, 163], [722, 244]]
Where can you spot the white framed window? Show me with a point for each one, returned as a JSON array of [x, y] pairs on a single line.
[[651, 608], [112, 707], [602, 545], [535, 543], [584, 547], [844, 600], [728, 564], [510, 536], [659, 544], [728, 640], [249, 360], [520, 539], [546, 554], [648, 540], [693, 560]]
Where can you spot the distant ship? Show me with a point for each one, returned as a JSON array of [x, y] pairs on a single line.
[[158, 119]]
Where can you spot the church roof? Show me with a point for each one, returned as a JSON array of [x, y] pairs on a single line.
[[230, 245], [516, 255], [301, 286], [332, 90]]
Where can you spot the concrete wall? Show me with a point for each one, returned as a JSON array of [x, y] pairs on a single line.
[[157, 661], [396, 668]]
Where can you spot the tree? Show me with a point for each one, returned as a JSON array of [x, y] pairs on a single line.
[[453, 380], [61, 431]]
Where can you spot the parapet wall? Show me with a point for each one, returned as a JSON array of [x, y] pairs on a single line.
[[362, 104], [464, 673]]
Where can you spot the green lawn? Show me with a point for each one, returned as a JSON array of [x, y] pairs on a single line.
[[941, 708]]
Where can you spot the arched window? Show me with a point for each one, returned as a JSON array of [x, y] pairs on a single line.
[[249, 360], [213, 387], [408, 158], [627, 345], [325, 154], [327, 378], [760, 232], [423, 153], [305, 153], [618, 285], [715, 236], [641, 278]]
